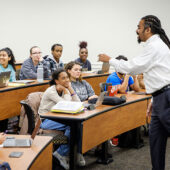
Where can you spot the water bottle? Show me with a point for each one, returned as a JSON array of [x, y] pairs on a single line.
[[40, 74]]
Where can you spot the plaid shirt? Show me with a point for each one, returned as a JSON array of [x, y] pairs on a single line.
[[52, 64]]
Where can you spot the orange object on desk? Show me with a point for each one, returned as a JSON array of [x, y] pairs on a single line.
[[112, 90]]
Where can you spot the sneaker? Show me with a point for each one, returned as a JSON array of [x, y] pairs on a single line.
[[62, 159], [80, 160]]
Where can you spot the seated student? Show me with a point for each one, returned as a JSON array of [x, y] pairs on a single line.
[[60, 90], [82, 88], [29, 67], [7, 62], [83, 53], [2, 137], [141, 82], [125, 82], [53, 60]]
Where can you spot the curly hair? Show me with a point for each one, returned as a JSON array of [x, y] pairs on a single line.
[[83, 44]]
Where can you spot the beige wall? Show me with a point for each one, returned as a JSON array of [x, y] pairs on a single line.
[[108, 25]]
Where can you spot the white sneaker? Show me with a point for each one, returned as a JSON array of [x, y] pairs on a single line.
[[62, 159], [80, 160]]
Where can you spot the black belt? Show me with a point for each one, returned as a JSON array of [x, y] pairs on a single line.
[[161, 90]]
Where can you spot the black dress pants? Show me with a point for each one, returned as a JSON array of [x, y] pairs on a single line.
[[159, 129]]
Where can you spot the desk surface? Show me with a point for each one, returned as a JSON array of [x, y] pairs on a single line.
[[131, 98], [37, 156], [103, 123], [11, 96]]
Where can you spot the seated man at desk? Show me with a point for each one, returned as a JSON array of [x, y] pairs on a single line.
[[141, 82], [53, 61], [125, 81], [30, 66]]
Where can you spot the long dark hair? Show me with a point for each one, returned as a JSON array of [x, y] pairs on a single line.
[[10, 54], [55, 76], [155, 24]]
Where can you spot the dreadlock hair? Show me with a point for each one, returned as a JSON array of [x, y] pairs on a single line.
[[10, 54], [155, 24]]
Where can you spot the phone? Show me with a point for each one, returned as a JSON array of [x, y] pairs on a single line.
[[15, 154]]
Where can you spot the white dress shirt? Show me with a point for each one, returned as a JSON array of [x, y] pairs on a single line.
[[154, 62]]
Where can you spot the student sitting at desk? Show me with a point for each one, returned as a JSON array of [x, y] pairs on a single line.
[[29, 67], [7, 62], [83, 53], [53, 61], [60, 90], [141, 82], [81, 87], [125, 82]]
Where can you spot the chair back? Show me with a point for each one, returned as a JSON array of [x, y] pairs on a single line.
[[29, 112]]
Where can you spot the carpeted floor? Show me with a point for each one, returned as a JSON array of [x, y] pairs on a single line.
[[125, 159]]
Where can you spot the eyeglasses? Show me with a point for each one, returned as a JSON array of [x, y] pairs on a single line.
[[37, 53]]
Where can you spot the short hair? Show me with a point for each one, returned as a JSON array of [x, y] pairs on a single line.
[[53, 46], [33, 48], [121, 57], [55, 76]]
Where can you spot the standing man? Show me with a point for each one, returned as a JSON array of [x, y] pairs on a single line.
[[154, 63]]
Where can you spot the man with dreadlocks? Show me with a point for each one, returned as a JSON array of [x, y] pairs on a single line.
[[154, 63]]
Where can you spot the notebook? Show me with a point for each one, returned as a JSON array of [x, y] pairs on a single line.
[[11, 142], [24, 81], [4, 78], [68, 107]]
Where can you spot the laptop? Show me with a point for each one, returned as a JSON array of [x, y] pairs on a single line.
[[4, 78], [11, 142], [99, 102]]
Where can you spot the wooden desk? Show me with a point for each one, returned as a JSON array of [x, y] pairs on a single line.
[[95, 79], [18, 65], [38, 156], [11, 96], [101, 124]]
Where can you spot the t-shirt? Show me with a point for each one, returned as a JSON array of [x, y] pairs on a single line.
[[86, 65], [115, 80], [9, 68], [83, 89]]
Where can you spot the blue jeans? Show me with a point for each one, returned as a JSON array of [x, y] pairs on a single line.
[[52, 125]]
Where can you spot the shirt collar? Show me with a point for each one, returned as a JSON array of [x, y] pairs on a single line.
[[151, 39], [51, 57]]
